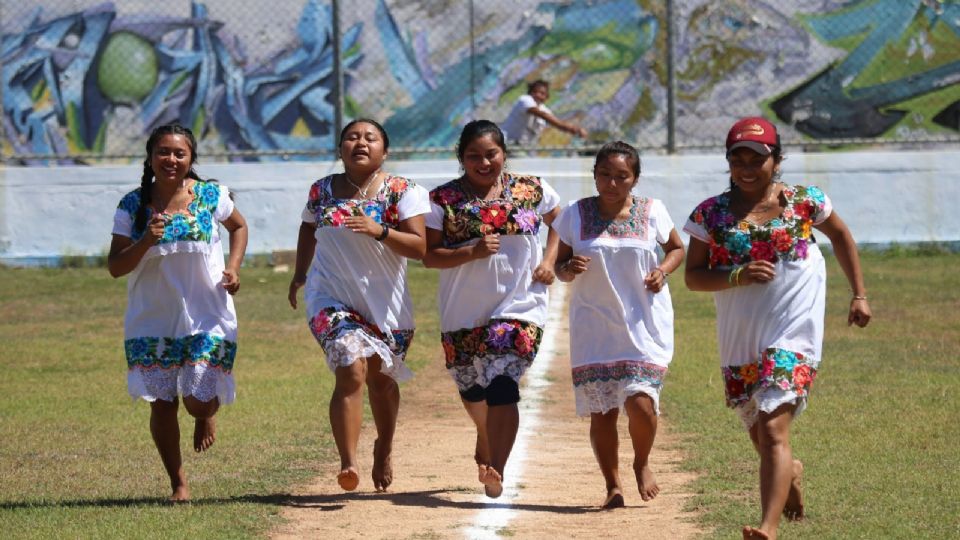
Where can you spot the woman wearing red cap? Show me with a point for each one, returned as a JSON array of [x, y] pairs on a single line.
[[752, 247]]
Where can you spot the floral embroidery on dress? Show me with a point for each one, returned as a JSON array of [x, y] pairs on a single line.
[[593, 226], [330, 211], [466, 216], [786, 237], [780, 368], [195, 226], [332, 322], [624, 370], [202, 348], [497, 338]]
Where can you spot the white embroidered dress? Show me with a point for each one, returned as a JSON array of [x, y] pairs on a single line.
[[180, 326], [357, 300], [492, 313], [770, 334], [621, 333]]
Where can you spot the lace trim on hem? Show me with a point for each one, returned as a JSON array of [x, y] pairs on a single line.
[[601, 397], [191, 380], [487, 367], [352, 345]]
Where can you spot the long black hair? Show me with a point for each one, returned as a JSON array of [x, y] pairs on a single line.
[[140, 222], [476, 129]]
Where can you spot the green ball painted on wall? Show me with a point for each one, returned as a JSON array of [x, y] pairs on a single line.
[[128, 68]]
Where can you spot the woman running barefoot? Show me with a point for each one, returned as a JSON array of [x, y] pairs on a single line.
[[752, 247], [621, 316], [482, 233], [358, 230], [180, 327]]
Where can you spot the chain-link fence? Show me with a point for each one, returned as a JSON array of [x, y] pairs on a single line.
[[85, 80]]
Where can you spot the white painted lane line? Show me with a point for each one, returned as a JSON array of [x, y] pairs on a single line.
[[491, 520]]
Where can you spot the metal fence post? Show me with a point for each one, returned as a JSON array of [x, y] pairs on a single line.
[[671, 85], [473, 67], [337, 76]]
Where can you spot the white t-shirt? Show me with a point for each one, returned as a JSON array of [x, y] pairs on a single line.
[[613, 316], [521, 126]]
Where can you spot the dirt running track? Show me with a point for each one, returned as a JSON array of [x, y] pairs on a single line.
[[435, 494]]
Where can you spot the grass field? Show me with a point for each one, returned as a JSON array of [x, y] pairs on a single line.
[[879, 439]]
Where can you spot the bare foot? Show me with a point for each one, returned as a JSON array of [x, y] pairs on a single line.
[[646, 481], [793, 509], [492, 481], [180, 494], [480, 453], [751, 533], [614, 500], [382, 469], [348, 479], [204, 433]]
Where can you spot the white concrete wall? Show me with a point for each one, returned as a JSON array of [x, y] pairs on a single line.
[[884, 197]]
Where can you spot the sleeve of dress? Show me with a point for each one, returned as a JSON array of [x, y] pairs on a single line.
[[564, 223], [122, 223], [415, 202], [695, 225], [434, 220], [225, 204], [550, 200], [308, 214], [662, 220], [820, 205]]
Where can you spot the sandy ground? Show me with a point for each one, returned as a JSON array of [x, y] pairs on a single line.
[[553, 487]]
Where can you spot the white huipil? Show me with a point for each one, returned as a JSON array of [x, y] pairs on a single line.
[[354, 271], [180, 326], [770, 335], [621, 333]]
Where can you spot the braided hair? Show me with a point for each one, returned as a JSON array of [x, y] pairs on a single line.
[[146, 181]]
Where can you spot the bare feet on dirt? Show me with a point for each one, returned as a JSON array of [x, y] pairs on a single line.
[[492, 481], [348, 479], [646, 481], [614, 500], [382, 471]]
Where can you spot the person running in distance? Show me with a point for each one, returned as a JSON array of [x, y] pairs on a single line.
[[530, 115]]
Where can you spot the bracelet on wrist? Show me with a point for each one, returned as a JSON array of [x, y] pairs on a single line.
[[859, 297], [665, 274], [383, 234]]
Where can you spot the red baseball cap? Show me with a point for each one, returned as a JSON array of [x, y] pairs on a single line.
[[754, 133]]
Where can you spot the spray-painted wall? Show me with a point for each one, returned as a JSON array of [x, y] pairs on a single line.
[[84, 78], [884, 197]]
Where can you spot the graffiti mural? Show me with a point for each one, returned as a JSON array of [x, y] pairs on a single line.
[[900, 58], [89, 82], [256, 80]]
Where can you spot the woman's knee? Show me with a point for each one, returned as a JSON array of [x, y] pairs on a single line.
[[161, 407], [350, 379], [201, 409]]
